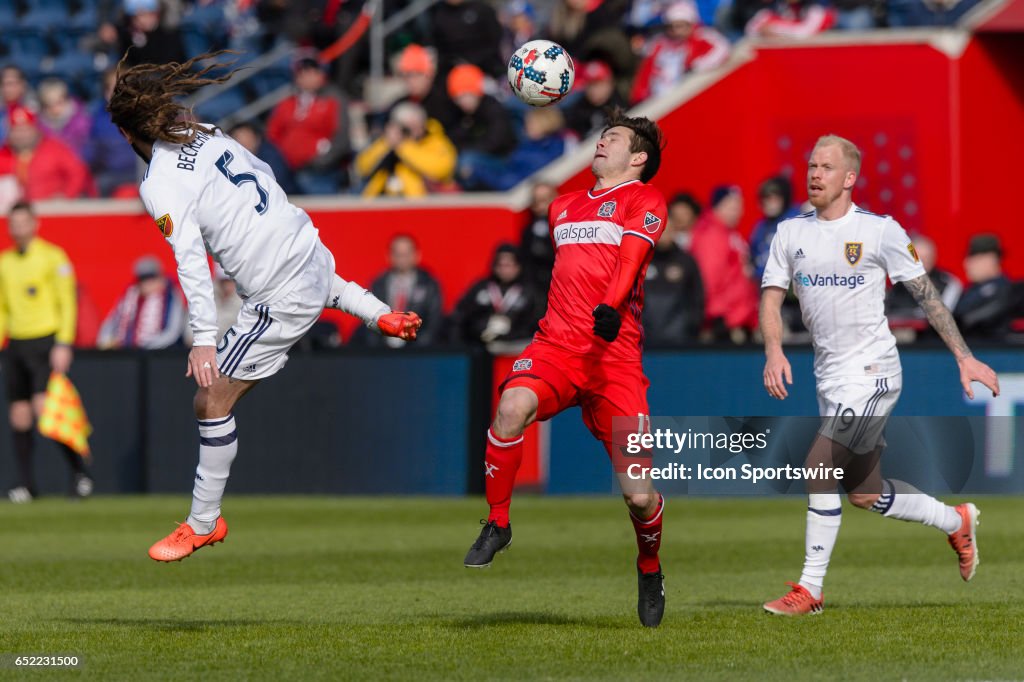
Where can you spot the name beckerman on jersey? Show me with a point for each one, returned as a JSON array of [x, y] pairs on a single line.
[[188, 152]]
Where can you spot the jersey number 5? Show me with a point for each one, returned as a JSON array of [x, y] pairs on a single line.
[[240, 179]]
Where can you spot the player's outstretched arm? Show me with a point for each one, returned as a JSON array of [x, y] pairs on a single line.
[[777, 372], [941, 320]]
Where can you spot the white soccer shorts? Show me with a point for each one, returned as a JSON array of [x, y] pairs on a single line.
[[257, 345], [854, 410]]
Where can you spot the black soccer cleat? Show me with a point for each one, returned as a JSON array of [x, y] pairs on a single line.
[[493, 539], [650, 604]]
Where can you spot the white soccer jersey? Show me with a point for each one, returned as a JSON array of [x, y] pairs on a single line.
[[214, 196], [838, 270]]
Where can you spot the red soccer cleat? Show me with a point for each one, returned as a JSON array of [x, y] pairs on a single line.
[[965, 540], [798, 602], [183, 541]]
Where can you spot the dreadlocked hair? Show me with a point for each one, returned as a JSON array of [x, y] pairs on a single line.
[[143, 102]]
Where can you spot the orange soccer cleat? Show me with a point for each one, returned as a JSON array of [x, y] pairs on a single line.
[[183, 541], [965, 540], [798, 602]]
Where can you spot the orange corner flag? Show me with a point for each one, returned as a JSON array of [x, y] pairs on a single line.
[[64, 419]]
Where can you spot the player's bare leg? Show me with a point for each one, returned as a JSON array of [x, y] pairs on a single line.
[[218, 445], [517, 409], [899, 500], [645, 511]]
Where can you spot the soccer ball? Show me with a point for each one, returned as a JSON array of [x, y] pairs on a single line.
[[541, 73]]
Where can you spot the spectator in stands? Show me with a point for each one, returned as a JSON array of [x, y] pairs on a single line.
[[151, 40], [519, 20], [537, 253], [113, 163], [417, 68], [481, 124], [904, 13], [311, 129], [683, 212], [731, 297], [411, 158], [684, 46], [985, 308], [467, 31], [900, 306], [502, 308], [776, 199], [44, 168], [589, 113], [406, 286], [14, 93], [591, 30], [674, 292], [251, 137], [791, 19], [150, 314], [543, 141], [62, 116]]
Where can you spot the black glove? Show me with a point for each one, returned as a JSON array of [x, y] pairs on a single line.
[[606, 322]]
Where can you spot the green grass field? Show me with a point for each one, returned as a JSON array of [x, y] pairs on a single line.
[[374, 588]]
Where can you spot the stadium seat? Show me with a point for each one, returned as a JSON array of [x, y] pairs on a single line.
[[86, 19], [221, 106], [44, 18], [8, 13], [27, 43], [75, 68]]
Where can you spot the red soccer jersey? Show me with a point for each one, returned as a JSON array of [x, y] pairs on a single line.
[[587, 228]]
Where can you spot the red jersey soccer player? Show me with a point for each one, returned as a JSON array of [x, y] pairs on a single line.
[[588, 350]]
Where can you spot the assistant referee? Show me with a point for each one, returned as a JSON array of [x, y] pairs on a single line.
[[38, 308]]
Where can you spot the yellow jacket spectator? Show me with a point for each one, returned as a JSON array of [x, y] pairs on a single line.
[[38, 307], [412, 158]]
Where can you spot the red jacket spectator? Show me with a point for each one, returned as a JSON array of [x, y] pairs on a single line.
[[791, 19], [44, 167], [684, 47], [309, 126], [724, 261]]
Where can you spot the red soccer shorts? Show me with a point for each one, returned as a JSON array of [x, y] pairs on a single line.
[[603, 388]]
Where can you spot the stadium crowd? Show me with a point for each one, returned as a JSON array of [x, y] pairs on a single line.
[[446, 122], [340, 131]]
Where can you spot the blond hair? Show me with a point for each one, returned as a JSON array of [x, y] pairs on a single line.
[[848, 149]]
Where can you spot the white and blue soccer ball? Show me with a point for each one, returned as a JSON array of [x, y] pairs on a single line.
[[541, 73]]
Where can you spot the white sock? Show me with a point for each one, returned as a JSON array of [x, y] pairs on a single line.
[[900, 500], [218, 444], [351, 298], [824, 514]]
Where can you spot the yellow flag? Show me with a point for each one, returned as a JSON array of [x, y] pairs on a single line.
[[63, 418]]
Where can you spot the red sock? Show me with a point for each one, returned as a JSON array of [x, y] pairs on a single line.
[[648, 538], [500, 465]]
